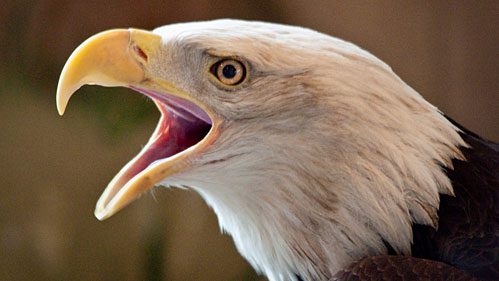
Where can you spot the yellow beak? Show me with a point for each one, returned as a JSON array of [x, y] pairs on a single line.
[[119, 58]]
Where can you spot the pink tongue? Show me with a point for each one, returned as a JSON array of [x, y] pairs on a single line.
[[173, 135]]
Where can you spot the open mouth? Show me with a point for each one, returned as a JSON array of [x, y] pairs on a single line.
[[186, 129], [182, 125]]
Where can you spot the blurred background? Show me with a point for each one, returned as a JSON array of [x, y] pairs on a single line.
[[52, 169]]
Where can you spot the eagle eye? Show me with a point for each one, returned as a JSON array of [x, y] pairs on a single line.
[[229, 71]]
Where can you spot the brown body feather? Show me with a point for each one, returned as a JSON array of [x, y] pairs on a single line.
[[400, 268]]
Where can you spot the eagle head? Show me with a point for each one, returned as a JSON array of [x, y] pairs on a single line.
[[310, 150]]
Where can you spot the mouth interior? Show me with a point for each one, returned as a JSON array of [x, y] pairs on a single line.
[[182, 125]]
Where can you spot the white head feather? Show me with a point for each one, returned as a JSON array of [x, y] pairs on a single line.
[[324, 154]]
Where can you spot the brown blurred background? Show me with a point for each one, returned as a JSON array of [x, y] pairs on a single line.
[[53, 169]]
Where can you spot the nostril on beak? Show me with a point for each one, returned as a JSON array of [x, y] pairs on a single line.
[[140, 53]]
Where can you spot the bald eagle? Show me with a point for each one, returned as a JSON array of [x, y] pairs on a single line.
[[319, 161]]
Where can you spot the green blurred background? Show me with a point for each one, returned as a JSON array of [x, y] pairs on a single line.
[[52, 169]]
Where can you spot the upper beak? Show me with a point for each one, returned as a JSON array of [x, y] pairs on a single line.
[[110, 58], [116, 58]]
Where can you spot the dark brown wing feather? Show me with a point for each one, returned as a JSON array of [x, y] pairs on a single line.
[[400, 268]]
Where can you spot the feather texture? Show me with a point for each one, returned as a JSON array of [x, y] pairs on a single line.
[[325, 155], [398, 268], [467, 236]]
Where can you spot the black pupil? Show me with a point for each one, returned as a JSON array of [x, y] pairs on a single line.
[[229, 71]]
